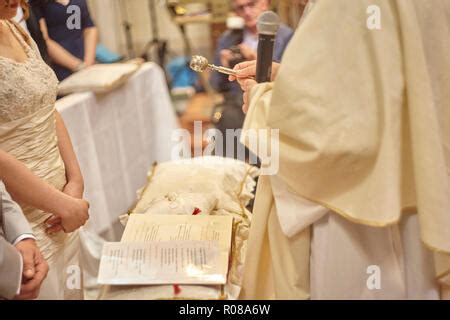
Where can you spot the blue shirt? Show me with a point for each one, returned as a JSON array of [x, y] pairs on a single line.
[[57, 17]]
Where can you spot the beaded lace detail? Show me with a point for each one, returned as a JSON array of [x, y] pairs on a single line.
[[25, 87]]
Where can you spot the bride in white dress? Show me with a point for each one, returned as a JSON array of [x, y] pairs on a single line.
[[33, 132]]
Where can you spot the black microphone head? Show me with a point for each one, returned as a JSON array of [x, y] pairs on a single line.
[[268, 23]]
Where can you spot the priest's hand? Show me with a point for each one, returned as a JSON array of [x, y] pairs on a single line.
[[247, 69], [246, 85], [245, 73]]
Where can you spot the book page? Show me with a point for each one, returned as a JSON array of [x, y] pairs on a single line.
[[146, 227], [165, 262], [197, 238]]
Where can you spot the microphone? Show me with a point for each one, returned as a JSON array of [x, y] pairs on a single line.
[[268, 24]]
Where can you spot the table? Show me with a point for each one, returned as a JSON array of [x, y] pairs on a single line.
[[116, 138]]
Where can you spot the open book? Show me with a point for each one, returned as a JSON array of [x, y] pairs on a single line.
[[169, 249]]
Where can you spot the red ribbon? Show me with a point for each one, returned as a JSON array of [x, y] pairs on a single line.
[[176, 289]]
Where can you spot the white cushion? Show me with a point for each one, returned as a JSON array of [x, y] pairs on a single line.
[[215, 185], [230, 181], [99, 78]]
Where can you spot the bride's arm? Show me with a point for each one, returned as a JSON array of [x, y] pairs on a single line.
[[75, 182], [25, 187]]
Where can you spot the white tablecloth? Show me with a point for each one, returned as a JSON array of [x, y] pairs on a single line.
[[116, 138]]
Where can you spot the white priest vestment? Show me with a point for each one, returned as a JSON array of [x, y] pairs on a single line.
[[360, 207]]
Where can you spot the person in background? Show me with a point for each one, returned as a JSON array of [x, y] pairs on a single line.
[[245, 41], [22, 266], [71, 48], [238, 45], [31, 26], [19, 18], [35, 32]]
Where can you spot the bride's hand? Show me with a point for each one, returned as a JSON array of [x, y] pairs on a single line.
[[71, 215], [74, 189]]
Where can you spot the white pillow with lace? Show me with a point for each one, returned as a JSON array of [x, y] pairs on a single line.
[[226, 185], [230, 181], [177, 203]]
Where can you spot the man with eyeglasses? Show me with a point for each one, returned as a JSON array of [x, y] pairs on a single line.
[[246, 40], [242, 43]]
